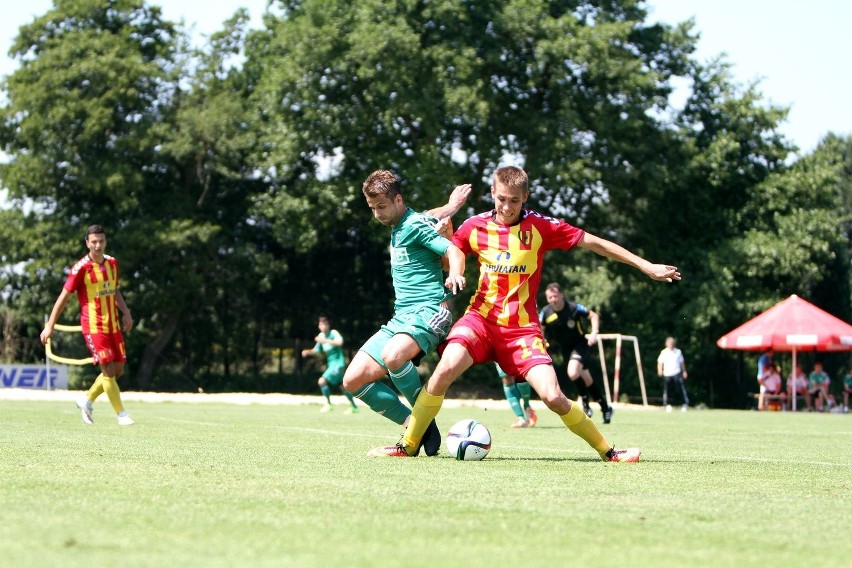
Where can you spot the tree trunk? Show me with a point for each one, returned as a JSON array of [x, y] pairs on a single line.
[[154, 349], [10, 336]]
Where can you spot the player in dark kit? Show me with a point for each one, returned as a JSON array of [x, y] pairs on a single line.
[[565, 325]]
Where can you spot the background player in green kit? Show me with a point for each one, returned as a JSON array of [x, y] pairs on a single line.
[[421, 319], [330, 342], [518, 395]]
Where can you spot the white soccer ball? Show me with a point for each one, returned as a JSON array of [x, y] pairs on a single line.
[[468, 440]]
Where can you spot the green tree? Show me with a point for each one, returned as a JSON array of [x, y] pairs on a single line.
[[746, 229], [443, 92], [230, 175], [78, 129], [112, 119]]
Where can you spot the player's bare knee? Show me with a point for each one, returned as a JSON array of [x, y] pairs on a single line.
[[551, 398], [322, 382], [393, 358], [354, 381], [439, 383], [557, 402]]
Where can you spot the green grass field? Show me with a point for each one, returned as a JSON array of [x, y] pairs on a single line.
[[228, 485]]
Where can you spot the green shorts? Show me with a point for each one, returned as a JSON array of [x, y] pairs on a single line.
[[334, 375], [427, 324]]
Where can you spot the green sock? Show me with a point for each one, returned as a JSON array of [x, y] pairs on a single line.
[[524, 388], [407, 380], [381, 399], [512, 395], [326, 392], [349, 396]]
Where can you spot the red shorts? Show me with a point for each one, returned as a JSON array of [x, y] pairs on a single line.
[[106, 347], [515, 349]]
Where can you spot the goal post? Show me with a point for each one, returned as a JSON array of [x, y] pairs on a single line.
[[616, 377], [51, 356]]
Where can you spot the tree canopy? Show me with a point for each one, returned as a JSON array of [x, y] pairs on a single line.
[[228, 175]]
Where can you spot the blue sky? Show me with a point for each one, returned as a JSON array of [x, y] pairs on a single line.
[[798, 51]]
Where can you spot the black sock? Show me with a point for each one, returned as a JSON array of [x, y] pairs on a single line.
[[595, 393], [582, 390]]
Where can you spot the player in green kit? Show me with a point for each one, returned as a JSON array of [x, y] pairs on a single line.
[[518, 395], [420, 320], [330, 342]]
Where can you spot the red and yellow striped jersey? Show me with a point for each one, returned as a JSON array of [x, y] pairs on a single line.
[[510, 260], [95, 285]]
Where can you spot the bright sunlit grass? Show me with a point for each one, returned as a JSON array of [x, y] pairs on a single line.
[[227, 485]]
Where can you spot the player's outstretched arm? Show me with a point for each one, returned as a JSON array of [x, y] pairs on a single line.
[[457, 199], [455, 281], [126, 317], [58, 307], [595, 318], [603, 247]]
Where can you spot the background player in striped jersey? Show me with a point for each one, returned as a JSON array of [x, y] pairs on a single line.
[[501, 323], [420, 320], [330, 342], [94, 279]]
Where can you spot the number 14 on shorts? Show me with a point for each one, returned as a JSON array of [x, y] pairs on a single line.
[[527, 349]]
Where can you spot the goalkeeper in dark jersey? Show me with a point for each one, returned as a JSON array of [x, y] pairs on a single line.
[[571, 329]]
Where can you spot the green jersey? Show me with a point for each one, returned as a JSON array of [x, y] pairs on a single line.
[[333, 353], [847, 381], [815, 379], [416, 249]]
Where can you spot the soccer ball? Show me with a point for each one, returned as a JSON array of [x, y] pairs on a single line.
[[468, 440]]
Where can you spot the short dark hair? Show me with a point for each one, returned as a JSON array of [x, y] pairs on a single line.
[[553, 286], [512, 177], [381, 182], [325, 319], [94, 230]]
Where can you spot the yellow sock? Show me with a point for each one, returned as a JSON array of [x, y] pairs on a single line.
[[577, 421], [110, 386], [425, 410], [97, 389]]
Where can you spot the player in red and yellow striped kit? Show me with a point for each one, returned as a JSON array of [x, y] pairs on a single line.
[[501, 323], [94, 279]]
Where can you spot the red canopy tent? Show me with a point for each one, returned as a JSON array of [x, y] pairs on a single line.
[[793, 324]]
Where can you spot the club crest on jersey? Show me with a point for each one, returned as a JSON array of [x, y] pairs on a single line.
[[525, 237]]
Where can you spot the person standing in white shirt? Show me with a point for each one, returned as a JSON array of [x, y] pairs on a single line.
[[672, 367]]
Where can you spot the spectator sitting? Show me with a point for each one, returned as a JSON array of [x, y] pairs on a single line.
[[763, 363], [818, 382], [797, 385], [771, 383], [847, 390]]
